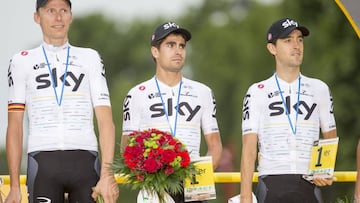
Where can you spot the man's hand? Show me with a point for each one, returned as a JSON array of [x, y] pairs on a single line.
[[107, 188], [323, 181], [14, 196], [246, 199]]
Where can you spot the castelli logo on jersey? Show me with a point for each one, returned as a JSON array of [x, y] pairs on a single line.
[[24, 53], [260, 86], [142, 88]]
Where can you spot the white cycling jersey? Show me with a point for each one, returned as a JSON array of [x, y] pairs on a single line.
[[58, 121], [285, 146], [144, 109]]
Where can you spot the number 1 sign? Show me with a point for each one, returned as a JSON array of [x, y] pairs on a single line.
[[323, 158]]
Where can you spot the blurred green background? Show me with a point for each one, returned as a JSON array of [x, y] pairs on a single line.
[[228, 53]]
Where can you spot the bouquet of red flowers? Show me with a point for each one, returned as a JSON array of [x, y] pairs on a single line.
[[155, 161]]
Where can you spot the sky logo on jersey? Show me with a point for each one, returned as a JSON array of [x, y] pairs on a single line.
[[214, 103], [103, 73], [71, 79], [10, 79], [126, 108], [246, 113], [277, 108], [157, 110], [184, 109]]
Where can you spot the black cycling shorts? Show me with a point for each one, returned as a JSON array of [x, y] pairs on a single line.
[[51, 174], [289, 188]]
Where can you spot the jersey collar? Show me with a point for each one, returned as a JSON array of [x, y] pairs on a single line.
[[52, 48]]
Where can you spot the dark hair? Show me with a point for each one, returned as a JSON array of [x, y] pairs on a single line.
[[158, 43], [157, 46]]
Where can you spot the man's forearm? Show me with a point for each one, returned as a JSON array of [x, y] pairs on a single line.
[[247, 173], [107, 145]]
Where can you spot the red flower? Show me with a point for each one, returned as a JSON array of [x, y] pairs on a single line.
[[168, 156], [185, 159], [151, 165], [169, 170], [140, 177], [172, 142], [153, 157]]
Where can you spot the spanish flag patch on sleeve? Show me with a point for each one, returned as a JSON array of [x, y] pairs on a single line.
[[16, 107]]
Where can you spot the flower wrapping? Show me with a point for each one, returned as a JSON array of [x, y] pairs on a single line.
[[155, 161]]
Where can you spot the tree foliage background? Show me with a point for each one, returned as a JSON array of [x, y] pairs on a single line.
[[228, 53]]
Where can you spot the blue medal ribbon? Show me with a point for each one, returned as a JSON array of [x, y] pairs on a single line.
[[59, 101], [172, 131], [293, 127]]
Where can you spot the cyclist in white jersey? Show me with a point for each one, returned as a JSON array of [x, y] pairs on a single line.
[[60, 86], [171, 102], [283, 115]]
